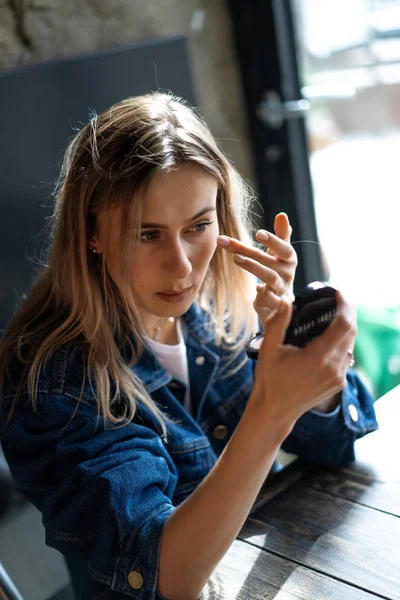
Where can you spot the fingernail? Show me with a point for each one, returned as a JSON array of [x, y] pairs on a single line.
[[239, 258], [222, 240], [262, 235]]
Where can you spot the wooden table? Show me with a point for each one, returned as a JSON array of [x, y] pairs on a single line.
[[318, 533]]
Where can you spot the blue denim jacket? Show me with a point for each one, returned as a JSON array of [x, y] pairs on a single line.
[[106, 492]]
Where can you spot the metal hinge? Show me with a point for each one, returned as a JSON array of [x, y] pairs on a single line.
[[273, 111]]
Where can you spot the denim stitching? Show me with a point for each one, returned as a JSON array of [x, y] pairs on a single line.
[[61, 361], [69, 537], [226, 407], [190, 448]]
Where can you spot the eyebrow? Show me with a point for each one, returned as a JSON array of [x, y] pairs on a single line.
[[196, 216]]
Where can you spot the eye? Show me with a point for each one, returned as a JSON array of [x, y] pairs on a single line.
[[200, 227], [148, 236]]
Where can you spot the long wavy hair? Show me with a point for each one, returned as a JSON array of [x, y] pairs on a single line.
[[74, 299]]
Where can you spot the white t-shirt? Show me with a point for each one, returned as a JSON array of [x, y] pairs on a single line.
[[174, 360]]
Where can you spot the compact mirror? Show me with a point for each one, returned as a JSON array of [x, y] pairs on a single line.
[[313, 310]]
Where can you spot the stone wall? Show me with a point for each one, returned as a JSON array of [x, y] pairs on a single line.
[[32, 31]]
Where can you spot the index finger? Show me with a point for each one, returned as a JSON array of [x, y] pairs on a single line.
[[284, 254]]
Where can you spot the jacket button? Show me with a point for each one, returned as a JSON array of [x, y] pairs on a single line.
[[135, 580], [353, 413], [220, 432], [200, 360]]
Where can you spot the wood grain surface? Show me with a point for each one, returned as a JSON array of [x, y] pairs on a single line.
[[250, 573], [340, 538], [319, 533]]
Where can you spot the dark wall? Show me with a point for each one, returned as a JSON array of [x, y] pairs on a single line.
[[39, 108]]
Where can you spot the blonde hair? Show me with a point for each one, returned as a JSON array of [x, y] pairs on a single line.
[[74, 299]]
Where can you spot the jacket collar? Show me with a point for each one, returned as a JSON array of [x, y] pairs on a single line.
[[198, 324]]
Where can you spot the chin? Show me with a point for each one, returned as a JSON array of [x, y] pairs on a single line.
[[178, 311]]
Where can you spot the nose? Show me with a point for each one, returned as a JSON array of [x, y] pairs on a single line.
[[177, 262]]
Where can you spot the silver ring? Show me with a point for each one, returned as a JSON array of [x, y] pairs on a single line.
[[351, 354]]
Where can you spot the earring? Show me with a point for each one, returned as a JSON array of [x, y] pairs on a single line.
[[94, 250]]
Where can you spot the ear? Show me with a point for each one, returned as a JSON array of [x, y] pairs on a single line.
[[94, 248], [93, 243]]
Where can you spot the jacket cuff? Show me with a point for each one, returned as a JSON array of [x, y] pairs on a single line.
[[355, 412], [328, 438], [137, 565], [358, 407]]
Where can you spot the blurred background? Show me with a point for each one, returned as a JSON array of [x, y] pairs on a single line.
[[303, 96]]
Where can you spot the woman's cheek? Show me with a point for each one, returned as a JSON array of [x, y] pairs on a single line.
[[210, 245]]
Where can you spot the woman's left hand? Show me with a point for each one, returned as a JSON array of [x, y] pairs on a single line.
[[275, 268]]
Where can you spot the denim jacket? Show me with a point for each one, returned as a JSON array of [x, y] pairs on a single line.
[[105, 492]]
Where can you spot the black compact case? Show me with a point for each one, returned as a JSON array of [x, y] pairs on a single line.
[[313, 310]]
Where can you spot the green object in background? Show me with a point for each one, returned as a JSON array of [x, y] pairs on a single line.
[[377, 349]]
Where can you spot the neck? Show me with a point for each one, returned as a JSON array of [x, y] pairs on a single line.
[[163, 330]]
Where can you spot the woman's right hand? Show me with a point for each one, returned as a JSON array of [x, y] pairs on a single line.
[[290, 380]]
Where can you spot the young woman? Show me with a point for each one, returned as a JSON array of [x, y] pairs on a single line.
[[131, 416]]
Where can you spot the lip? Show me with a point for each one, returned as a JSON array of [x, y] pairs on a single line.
[[174, 296], [177, 292]]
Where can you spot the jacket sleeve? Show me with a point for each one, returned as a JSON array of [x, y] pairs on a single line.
[[328, 439], [105, 493]]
